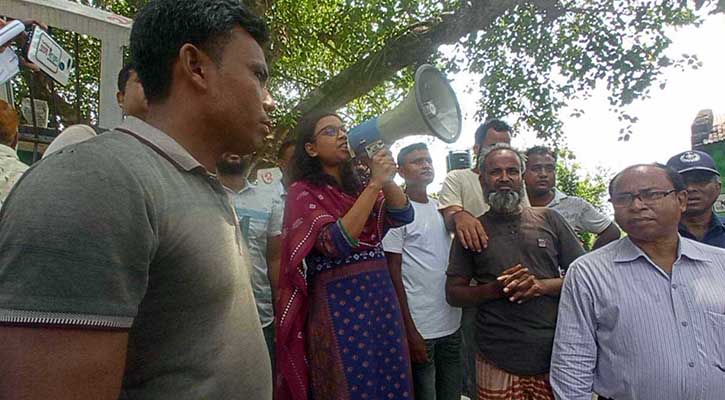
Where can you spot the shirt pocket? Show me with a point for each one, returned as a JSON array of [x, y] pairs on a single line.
[[716, 328], [541, 256], [253, 223]]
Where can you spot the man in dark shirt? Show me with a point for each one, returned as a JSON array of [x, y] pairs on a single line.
[[702, 178], [519, 277]]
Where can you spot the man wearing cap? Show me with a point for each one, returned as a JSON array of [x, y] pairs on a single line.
[[702, 178]]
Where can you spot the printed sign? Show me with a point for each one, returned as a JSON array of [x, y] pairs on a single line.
[[9, 65], [47, 54]]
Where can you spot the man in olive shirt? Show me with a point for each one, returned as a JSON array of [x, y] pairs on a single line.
[[121, 268], [519, 282]]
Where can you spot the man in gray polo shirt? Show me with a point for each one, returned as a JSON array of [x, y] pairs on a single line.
[[540, 179], [121, 272]]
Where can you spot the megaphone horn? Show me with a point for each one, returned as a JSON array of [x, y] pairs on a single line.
[[431, 108]]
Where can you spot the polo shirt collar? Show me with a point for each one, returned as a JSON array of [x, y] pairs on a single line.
[[628, 251], [715, 225], [247, 186], [162, 142], [558, 197]]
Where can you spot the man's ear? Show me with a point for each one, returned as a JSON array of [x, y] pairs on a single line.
[[311, 150], [682, 199], [119, 99], [194, 65]]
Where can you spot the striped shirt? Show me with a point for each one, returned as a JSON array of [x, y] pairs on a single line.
[[628, 330]]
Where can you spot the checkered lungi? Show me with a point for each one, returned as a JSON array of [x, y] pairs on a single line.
[[497, 384]]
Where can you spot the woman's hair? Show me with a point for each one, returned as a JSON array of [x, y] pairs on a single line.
[[309, 169], [8, 123]]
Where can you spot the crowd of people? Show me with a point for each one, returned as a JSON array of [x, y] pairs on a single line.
[[142, 263]]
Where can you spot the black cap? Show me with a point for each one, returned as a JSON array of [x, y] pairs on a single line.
[[693, 160]]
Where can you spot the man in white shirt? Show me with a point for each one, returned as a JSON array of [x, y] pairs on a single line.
[[11, 168], [417, 256]]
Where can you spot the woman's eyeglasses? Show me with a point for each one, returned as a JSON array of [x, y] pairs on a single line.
[[332, 131]]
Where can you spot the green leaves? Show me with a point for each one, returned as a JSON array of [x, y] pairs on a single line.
[[533, 65], [534, 59], [316, 40]]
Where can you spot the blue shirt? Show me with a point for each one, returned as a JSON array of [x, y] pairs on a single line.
[[629, 331], [259, 209], [715, 235]]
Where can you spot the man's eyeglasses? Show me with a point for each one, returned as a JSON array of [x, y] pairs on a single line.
[[330, 130], [648, 197]]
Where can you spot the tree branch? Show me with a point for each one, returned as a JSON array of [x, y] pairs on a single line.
[[413, 47]]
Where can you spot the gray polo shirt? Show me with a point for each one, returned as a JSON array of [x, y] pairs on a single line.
[[579, 213], [128, 231]]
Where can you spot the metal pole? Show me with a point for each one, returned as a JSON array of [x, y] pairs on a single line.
[[35, 119], [78, 77]]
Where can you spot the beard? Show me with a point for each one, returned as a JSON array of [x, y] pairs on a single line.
[[231, 168], [504, 202]]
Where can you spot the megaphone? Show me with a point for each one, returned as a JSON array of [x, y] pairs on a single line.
[[431, 108]]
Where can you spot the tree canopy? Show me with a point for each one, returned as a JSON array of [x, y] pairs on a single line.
[[533, 57]]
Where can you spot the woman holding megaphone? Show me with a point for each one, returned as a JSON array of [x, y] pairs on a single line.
[[340, 332]]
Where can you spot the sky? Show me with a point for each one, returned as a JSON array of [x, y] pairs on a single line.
[[664, 119]]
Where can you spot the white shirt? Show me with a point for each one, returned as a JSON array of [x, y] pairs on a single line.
[[424, 245], [462, 188], [11, 169]]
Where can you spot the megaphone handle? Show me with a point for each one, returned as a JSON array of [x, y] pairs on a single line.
[[373, 148]]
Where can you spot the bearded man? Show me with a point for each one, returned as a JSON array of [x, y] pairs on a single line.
[[520, 278]]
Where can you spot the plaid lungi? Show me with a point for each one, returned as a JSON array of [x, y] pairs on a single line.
[[496, 384]]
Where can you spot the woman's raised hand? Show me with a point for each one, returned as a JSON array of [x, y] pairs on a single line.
[[382, 167]]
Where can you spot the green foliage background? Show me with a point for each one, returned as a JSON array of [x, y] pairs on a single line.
[[532, 57]]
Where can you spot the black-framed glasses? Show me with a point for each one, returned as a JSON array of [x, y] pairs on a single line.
[[332, 131], [648, 197]]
